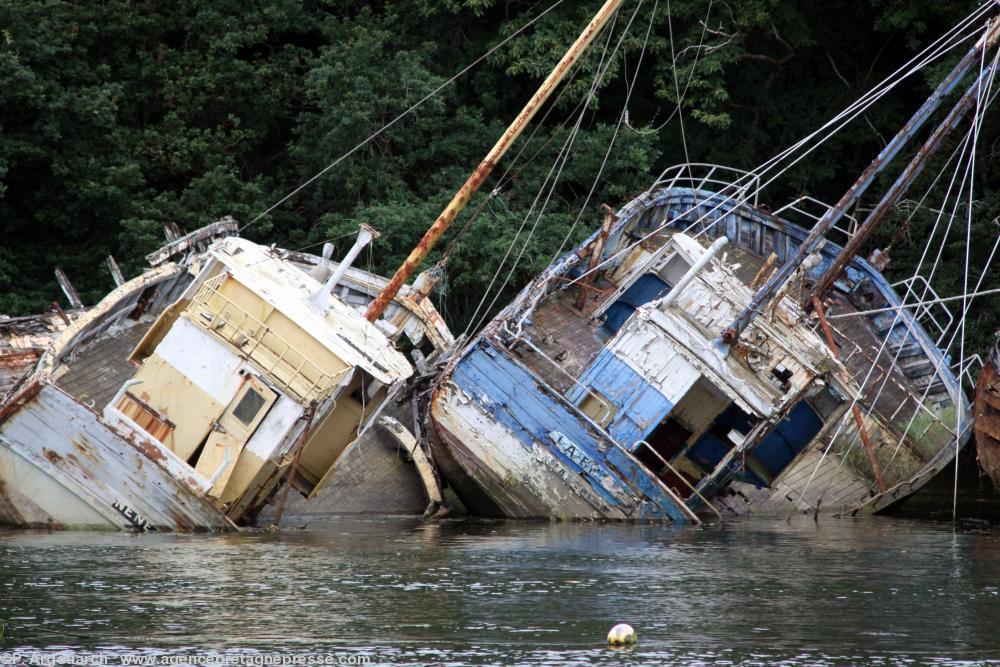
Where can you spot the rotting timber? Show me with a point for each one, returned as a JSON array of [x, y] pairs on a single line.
[[681, 385], [178, 401]]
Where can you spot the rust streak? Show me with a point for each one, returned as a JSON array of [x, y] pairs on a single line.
[[8, 508], [855, 409], [485, 167], [148, 449], [18, 400], [987, 423]]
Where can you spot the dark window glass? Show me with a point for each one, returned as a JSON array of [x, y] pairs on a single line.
[[248, 407]]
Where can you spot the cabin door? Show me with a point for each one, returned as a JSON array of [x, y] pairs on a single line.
[[232, 431]]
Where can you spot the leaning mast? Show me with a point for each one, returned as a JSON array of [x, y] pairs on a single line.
[[476, 179], [773, 285]]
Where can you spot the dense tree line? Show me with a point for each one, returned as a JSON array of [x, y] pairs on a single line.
[[120, 116]]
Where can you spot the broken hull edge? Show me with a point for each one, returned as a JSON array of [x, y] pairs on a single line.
[[61, 467], [510, 469]]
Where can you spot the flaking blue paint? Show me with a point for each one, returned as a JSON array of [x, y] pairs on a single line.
[[517, 399], [640, 406]]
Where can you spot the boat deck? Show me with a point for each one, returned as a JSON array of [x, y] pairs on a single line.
[[896, 388], [567, 335], [99, 369], [858, 344]]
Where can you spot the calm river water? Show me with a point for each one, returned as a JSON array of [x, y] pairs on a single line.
[[876, 591]]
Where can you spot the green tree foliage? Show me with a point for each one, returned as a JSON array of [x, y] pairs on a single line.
[[120, 116]]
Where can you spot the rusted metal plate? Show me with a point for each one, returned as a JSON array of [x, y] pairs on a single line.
[[986, 409]]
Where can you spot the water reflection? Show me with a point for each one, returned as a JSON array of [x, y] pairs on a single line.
[[840, 592]]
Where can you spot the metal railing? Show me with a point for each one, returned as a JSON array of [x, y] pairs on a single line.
[[699, 175], [803, 206], [289, 367], [967, 370], [680, 477], [921, 291]]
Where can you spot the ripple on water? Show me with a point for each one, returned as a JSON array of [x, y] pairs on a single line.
[[843, 592]]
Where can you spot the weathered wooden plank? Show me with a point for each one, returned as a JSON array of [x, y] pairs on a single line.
[[68, 289], [116, 272], [100, 470]]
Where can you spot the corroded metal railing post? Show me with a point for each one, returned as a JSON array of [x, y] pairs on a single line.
[[859, 420], [485, 167]]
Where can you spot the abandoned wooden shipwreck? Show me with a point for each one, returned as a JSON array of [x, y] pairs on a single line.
[[188, 394], [620, 399], [645, 375], [698, 354]]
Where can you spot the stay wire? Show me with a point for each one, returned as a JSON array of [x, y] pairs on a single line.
[[622, 119], [557, 169], [851, 112], [404, 114], [507, 176], [965, 145]]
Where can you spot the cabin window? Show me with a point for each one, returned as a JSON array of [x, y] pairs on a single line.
[[248, 407], [596, 406], [786, 440]]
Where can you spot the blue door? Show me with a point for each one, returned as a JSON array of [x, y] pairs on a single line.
[[788, 438], [648, 287]]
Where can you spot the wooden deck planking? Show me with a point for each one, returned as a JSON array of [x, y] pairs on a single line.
[[98, 371]]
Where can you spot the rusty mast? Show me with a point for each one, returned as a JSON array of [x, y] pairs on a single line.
[[479, 175]]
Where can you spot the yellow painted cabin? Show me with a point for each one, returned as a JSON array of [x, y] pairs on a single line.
[[253, 356]]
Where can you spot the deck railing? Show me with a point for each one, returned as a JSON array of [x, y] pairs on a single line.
[[920, 291], [813, 210], [736, 183], [289, 367]]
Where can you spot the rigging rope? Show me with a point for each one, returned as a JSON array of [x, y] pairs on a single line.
[[405, 113], [930, 54], [622, 119], [507, 176], [557, 167], [965, 145], [677, 87], [687, 84]]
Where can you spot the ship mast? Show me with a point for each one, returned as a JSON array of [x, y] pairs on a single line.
[[767, 291], [486, 167], [902, 184]]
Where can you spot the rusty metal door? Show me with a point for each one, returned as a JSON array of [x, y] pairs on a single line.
[[232, 431]]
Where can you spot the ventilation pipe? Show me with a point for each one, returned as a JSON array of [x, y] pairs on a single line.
[[365, 236], [693, 272], [322, 270]]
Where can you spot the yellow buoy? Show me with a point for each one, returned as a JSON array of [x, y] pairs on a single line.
[[621, 634]]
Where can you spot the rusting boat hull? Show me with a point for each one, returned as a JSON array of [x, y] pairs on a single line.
[[987, 419]]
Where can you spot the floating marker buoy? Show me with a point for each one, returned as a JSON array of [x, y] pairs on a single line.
[[621, 634]]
